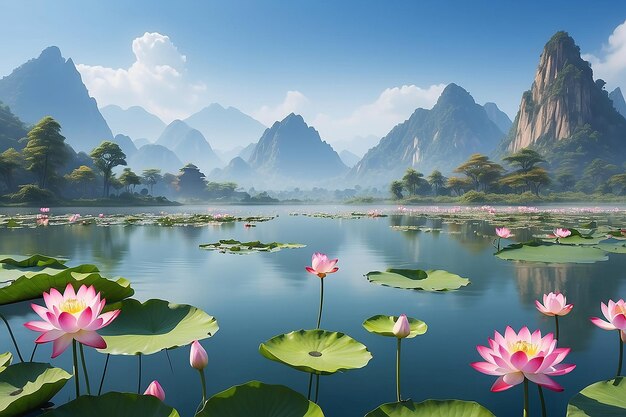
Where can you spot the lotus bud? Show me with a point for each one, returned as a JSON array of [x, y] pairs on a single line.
[[156, 390], [402, 328], [198, 357]]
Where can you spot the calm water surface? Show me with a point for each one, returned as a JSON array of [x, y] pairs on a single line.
[[257, 296]]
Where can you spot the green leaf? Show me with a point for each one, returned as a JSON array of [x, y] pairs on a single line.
[[431, 408], [155, 325], [416, 279], [5, 360], [612, 248], [316, 351], [383, 325], [32, 261], [26, 386], [235, 246], [538, 251], [114, 404], [602, 399], [255, 398]]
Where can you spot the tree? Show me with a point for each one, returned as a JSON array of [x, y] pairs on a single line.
[[396, 188], [107, 156], [413, 180], [598, 171], [129, 179], [10, 160], [437, 181], [525, 159], [536, 177], [151, 176], [481, 171], [191, 182], [82, 177], [458, 184], [45, 150], [220, 189]]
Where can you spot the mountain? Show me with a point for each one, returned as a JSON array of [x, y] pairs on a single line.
[[126, 144], [226, 128], [292, 150], [140, 142], [358, 145], [618, 101], [246, 152], [499, 117], [237, 171], [189, 145], [51, 86], [566, 115], [134, 121], [11, 130], [349, 158], [154, 156], [440, 138]]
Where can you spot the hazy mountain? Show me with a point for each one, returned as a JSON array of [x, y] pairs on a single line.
[[237, 170], [154, 156], [51, 86], [140, 142], [358, 145], [126, 144], [11, 130], [349, 158], [189, 145], [226, 128], [618, 101], [134, 121], [497, 116], [291, 150], [246, 152], [440, 138]]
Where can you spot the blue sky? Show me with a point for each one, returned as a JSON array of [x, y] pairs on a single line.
[[339, 63]]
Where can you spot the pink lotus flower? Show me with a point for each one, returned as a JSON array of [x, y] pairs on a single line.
[[562, 233], [44, 209], [101, 215], [615, 313], [71, 316], [516, 356], [402, 328], [74, 217], [198, 357], [554, 304], [156, 390], [503, 232], [321, 265], [42, 219]]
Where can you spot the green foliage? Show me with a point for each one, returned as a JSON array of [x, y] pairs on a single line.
[[82, 177], [45, 151], [481, 171], [32, 194], [107, 156], [525, 159], [413, 181], [129, 179], [396, 189], [437, 181], [10, 160], [458, 184], [151, 176]]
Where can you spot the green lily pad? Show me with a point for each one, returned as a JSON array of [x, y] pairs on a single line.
[[416, 279], [431, 408], [580, 237], [612, 248], [26, 386], [155, 325], [538, 251], [114, 404], [316, 351], [255, 398], [602, 399], [36, 260], [5, 360], [383, 325], [235, 246]]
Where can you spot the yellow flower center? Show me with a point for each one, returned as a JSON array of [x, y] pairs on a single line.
[[522, 346], [72, 306]]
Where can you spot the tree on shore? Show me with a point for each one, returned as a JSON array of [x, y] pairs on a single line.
[[82, 177], [107, 156], [45, 150], [396, 189], [437, 181], [10, 160], [481, 171], [151, 177], [129, 179]]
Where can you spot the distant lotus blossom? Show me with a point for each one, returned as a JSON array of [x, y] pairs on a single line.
[[101, 215], [321, 265], [518, 356], [402, 327], [44, 209], [74, 217], [554, 304], [71, 316], [156, 390], [562, 233], [42, 219], [615, 313], [503, 232]]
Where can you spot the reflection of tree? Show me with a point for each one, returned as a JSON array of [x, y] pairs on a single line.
[[474, 235]]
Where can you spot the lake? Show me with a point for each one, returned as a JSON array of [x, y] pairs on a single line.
[[257, 296]]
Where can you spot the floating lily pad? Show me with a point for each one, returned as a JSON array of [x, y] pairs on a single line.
[[155, 325], [538, 251], [235, 246], [26, 386], [383, 325], [580, 237], [114, 404], [612, 248], [255, 398], [431, 408], [316, 351], [602, 399], [416, 279], [5, 360], [31, 261]]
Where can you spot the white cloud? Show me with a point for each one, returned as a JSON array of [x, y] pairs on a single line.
[[294, 102], [157, 80], [610, 65]]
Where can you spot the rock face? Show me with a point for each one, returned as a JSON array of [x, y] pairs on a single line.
[[51, 86], [292, 150], [349, 158], [440, 138], [189, 145], [134, 121], [497, 116], [563, 100], [617, 98]]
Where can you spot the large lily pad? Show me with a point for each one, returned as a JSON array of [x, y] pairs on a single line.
[[5, 360], [255, 398], [580, 237], [538, 251], [235, 246], [31, 261], [155, 325], [383, 325], [612, 248], [431, 408], [26, 386], [416, 279], [114, 404], [602, 399], [316, 351]]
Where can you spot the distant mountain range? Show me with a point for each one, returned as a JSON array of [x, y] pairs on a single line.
[[618, 101], [497, 116], [189, 145], [155, 156], [134, 121]]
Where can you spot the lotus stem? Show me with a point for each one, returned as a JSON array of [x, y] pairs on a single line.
[[82, 358], [32, 355], [169, 360], [203, 381], [104, 372], [308, 397], [556, 318], [317, 386], [398, 397], [525, 397], [139, 379], [621, 354], [17, 349], [319, 316], [75, 357], [543, 401]]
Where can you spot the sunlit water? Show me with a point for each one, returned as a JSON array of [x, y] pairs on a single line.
[[260, 295]]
